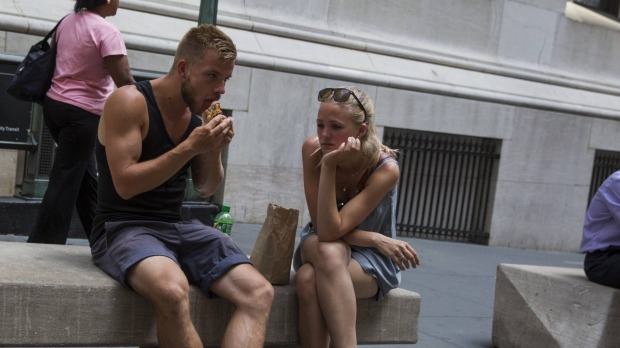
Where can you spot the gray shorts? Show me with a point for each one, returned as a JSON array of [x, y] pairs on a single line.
[[203, 253]]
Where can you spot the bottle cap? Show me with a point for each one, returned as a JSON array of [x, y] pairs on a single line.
[[225, 208]]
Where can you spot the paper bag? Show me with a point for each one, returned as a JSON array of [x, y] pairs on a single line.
[[273, 251]]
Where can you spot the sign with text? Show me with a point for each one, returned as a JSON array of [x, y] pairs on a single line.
[[14, 114]]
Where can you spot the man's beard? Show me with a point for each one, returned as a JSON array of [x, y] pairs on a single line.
[[187, 92]]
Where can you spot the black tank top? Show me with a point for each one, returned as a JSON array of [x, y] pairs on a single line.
[[162, 203]]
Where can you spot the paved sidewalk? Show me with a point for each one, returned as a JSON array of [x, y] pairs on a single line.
[[457, 285], [456, 282]]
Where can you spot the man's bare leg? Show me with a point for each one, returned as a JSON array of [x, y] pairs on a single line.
[[161, 281], [252, 296]]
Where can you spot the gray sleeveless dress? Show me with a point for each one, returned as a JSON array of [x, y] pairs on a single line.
[[382, 220]]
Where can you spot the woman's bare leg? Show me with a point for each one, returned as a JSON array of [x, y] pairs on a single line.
[[334, 287], [365, 285], [312, 328]]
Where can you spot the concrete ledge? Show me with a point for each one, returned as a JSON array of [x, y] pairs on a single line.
[[53, 295], [551, 307]]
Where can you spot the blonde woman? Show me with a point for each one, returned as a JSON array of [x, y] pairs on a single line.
[[348, 250]]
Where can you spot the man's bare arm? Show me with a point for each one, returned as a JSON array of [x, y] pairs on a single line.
[[123, 126]]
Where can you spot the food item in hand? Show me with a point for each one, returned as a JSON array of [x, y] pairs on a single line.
[[211, 112]]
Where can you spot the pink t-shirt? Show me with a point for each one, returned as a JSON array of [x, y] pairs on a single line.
[[81, 77]]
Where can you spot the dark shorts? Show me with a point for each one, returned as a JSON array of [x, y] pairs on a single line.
[[603, 267], [203, 253]]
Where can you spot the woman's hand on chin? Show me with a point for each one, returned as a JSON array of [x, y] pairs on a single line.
[[347, 150]]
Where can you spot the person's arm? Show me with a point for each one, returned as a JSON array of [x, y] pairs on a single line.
[[122, 128], [390, 247], [118, 66], [207, 168], [333, 224], [310, 161]]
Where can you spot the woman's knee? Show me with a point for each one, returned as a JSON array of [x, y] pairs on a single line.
[[330, 255], [305, 282]]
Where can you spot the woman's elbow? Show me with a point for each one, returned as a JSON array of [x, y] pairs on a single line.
[[329, 233], [326, 238], [124, 80]]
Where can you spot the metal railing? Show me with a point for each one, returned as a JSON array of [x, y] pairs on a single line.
[[446, 184], [605, 163]]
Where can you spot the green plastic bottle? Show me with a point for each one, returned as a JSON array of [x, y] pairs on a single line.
[[223, 220]]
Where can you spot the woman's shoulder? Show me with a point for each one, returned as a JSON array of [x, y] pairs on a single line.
[[310, 145], [312, 141], [387, 167], [310, 152], [384, 158], [95, 22]]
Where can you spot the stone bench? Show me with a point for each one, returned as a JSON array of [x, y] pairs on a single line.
[[53, 295], [551, 307]]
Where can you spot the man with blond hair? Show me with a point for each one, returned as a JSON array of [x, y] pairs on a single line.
[[150, 136]]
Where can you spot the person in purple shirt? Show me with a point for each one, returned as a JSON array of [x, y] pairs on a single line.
[[601, 234]]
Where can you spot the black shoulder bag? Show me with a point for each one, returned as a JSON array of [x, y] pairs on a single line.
[[34, 74]]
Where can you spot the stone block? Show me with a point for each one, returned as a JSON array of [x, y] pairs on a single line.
[[53, 295], [553, 307]]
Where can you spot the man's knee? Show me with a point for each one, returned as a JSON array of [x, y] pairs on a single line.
[[263, 293], [259, 294], [170, 299], [173, 293], [169, 292]]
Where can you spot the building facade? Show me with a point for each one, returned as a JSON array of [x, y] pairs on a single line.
[[536, 81]]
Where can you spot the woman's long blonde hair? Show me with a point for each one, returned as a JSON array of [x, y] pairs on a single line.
[[370, 144]]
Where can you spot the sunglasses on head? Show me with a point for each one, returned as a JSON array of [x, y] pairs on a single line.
[[340, 95]]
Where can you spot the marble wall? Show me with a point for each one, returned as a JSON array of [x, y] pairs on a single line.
[[519, 71]]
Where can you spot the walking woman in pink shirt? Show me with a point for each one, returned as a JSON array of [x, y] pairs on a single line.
[[91, 59]]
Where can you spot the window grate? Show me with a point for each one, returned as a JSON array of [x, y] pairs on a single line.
[[605, 163], [446, 184]]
